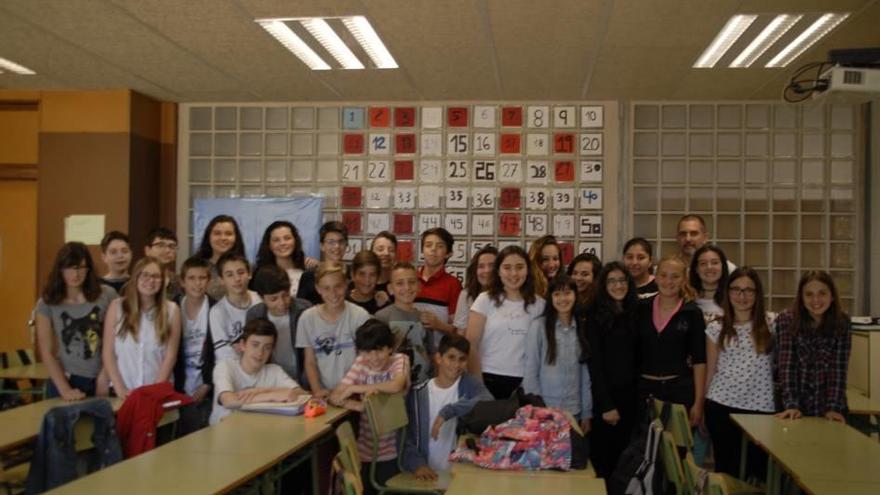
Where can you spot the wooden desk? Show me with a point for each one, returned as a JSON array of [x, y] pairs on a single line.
[[216, 459], [524, 482], [825, 487], [22, 424], [861, 404], [467, 468], [812, 448], [36, 371]]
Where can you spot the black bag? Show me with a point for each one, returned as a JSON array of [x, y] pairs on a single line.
[[580, 450], [639, 469], [494, 412]]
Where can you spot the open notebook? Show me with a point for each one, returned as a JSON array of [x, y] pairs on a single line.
[[294, 408]]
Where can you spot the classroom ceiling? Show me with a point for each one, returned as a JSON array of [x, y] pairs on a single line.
[[212, 50]]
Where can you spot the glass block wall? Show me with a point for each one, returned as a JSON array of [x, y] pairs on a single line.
[[778, 185]]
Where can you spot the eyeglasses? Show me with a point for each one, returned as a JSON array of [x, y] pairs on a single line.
[[150, 276], [742, 291], [165, 245], [615, 281]]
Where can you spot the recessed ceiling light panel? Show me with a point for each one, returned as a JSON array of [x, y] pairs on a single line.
[[332, 42], [768, 36], [731, 32], [294, 43], [10, 66], [806, 39], [364, 33]]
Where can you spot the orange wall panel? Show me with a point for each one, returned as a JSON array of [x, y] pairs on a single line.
[[18, 136], [85, 111], [18, 261]]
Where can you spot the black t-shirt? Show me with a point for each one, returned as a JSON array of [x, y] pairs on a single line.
[[681, 344]]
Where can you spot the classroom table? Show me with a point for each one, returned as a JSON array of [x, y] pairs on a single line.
[[468, 468], [35, 372], [476, 483], [219, 458], [811, 450], [21, 424], [862, 410]]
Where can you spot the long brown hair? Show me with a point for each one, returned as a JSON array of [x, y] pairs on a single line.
[[551, 315], [534, 258], [496, 290], [472, 284], [687, 292], [71, 255], [833, 321], [131, 304], [761, 337]]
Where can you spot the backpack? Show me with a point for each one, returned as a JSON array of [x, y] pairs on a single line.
[[536, 438], [488, 413], [638, 470]]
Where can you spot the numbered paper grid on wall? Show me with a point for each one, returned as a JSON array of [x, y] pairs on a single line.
[[500, 173], [776, 183]]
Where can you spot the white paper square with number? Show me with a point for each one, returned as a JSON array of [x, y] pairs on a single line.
[[537, 198], [429, 196], [432, 144], [537, 171], [352, 171], [430, 171], [591, 171], [536, 225], [591, 198], [564, 117], [564, 199], [429, 221], [378, 171], [378, 197], [592, 116], [538, 117], [380, 144], [456, 223], [458, 171], [563, 225], [485, 170], [482, 224], [432, 118], [484, 117], [483, 198], [594, 248], [538, 144], [456, 197], [457, 144], [484, 144], [591, 144], [503, 244], [510, 171], [590, 226], [377, 222], [354, 246], [405, 198], [457, 271], [459, 255]]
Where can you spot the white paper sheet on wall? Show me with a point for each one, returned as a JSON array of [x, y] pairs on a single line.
[[88, 229]]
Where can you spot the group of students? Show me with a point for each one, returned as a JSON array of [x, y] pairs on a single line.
[[595, 340]]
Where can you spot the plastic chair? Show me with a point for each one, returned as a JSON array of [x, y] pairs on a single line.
[[387, 414], [672, 464], [348, 452], [347, 479]]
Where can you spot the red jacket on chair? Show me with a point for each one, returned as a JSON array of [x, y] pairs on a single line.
[[136, 421]]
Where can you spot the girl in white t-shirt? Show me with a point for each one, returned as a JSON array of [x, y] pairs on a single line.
[[282, 246], [141, 331], [739, 369], [500, 320], [478, 278]]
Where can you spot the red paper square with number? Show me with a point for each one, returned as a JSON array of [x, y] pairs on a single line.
[[563, 143], [511, 116], [510, 198], [403, 223], [352, 221], [567, 251], [457, 117], [380, 117], [510, 143], [509, 224], [403, 170], [405, 251], [564, 171], [351, 196], [404, 117], [405, 143], [353, 144]]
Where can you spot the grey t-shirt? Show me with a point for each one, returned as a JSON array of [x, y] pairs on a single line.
[[333, 342], [78, 328], [412, 339], [282, 354]]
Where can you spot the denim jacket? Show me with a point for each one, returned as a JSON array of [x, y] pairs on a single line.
[[564, 384], [55, 457], [418, 431]]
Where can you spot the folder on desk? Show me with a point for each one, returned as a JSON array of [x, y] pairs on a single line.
[[294, 408]]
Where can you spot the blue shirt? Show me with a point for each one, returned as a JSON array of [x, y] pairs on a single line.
[[564, 384]]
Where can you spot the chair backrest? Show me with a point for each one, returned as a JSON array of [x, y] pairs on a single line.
[[681, 428], [351, 459], [672, 463], [386, 413], [348, 478]]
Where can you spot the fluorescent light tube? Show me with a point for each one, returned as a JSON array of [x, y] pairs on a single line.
[[731, 32], [768, 36], [332, 43], [294, 43], [363, 32], [13, 67], [806, 39]]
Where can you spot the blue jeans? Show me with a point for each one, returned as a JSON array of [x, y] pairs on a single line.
[[84, 384]]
